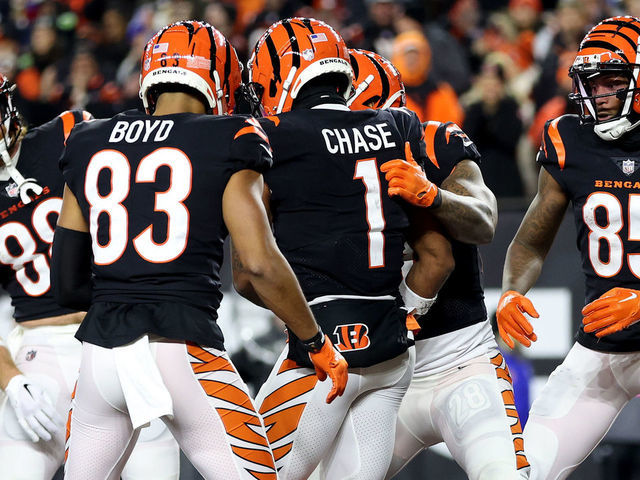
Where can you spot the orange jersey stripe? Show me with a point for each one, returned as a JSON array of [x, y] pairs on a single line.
[[430, 140], [557, 142], [251, 129], [68, 121], [274, 119]]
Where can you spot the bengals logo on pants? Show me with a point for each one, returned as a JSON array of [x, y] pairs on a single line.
[[352, 336]]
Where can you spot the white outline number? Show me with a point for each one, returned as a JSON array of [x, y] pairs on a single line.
[[170, 202], [367, 171]]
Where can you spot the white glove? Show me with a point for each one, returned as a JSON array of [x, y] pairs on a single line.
[[36, 414]]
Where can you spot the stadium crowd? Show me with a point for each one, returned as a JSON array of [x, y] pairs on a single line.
[[498, 68]]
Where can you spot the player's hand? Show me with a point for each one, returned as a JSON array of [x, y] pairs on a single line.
[[511, 320], [328, 361], [407, 179], [615, 310], [36, 414]]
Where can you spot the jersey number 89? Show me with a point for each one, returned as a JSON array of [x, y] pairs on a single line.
[[169, 202]]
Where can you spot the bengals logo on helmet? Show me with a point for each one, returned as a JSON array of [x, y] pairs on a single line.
[[196, 55], [352, 336], [611, 47], [290, 54], [376, 84]]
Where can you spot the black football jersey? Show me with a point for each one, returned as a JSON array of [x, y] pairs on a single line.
[[26, 230], [332, 218], [602, 180], [460, 301], [151, 190]]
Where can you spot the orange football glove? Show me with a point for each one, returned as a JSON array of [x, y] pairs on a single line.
[[616, 309], [328, 361], [407, 179], [511, 320]]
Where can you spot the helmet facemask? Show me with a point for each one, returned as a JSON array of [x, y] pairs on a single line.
[[10, 122]]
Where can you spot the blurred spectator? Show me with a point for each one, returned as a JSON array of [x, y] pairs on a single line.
[[381, 26], [492, 121], [465, 25], [429, 97], [564, 32]]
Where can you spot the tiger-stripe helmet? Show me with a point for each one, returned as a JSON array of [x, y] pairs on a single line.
[[376, 84], [611, 47], [192, 54], [290, 54]]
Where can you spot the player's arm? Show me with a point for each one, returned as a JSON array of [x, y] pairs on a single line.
[[464, 204], [272, 277], [525, 258], [241, 277], [71, 256], [469, 210], [432, 262]]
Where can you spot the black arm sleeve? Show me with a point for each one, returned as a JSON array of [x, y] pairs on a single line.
[[71, 268]]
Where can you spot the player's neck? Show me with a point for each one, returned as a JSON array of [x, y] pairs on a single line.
[[178, 102]]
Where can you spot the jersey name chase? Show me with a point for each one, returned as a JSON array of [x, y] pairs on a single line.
[[371, 138]]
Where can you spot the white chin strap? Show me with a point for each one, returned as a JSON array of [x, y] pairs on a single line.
[[25, 185]]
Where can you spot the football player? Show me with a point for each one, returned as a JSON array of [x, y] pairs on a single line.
[[39, 363], [343, 237], [148, 202], [461, 390], [591, 161]]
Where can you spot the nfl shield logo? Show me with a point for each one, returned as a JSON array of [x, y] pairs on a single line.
[[31, 354], [628, 167], [12, 189]]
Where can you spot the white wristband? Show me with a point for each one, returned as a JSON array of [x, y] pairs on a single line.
[[414, 302]]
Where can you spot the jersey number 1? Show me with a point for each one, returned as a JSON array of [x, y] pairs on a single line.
[[367, 171]]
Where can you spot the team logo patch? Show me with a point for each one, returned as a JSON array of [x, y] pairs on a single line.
[[31, 354], [308, 54], [628, 166], [12, 190], [353, 336]]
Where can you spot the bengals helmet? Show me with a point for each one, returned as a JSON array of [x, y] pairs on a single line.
[[611, 47], [290, 54], [376, 83], [9, 119], [195, 55]]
